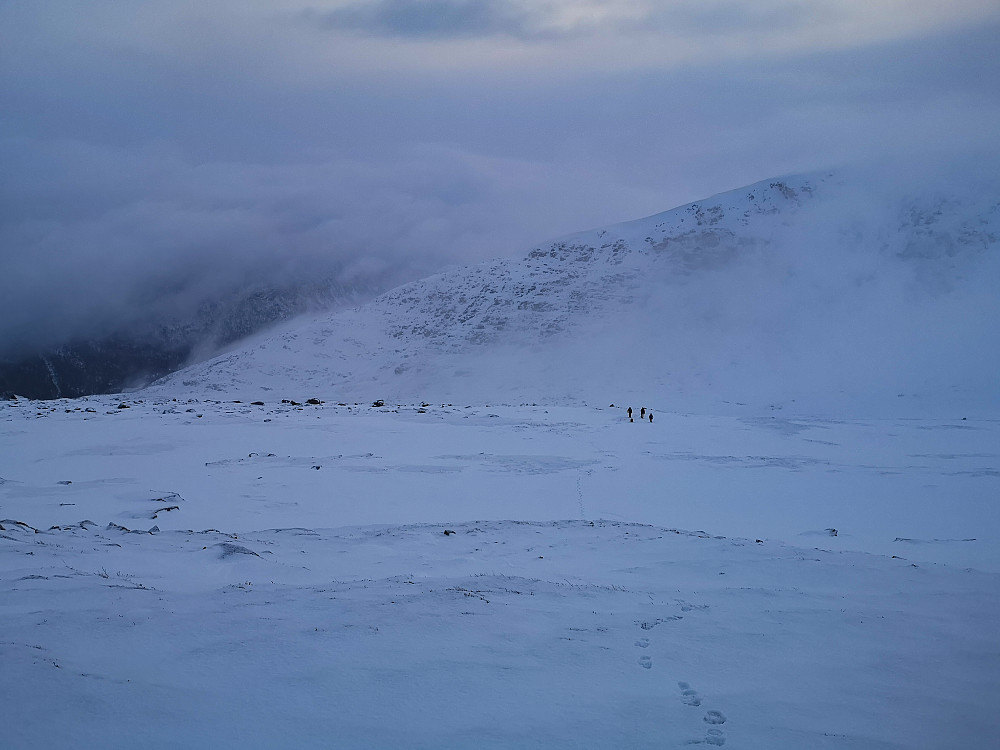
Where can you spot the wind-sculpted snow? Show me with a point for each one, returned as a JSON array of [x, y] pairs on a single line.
[[809, 288], [500, 634], [206, 573]]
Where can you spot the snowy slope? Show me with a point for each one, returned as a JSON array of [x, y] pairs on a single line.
[[816, 294], [502, 635], [281, 576]]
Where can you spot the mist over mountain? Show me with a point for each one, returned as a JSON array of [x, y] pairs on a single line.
[[826, 292], [165, 338]]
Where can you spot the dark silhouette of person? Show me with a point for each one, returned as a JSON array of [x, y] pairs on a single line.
[[630, 414], [642, 413], [651, 417]]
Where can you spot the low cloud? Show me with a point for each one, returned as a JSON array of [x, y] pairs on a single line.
[[160, 235], [157, 157]]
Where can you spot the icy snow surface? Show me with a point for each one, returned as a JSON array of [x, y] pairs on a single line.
[[801, 550]]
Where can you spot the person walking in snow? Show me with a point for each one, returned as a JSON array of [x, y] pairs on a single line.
[[630, 414], [651, 417], [642, 413]]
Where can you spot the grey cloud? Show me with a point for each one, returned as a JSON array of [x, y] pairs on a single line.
[[161, 234], [729, 16], [131, 191], [428, 19], [449, 19]]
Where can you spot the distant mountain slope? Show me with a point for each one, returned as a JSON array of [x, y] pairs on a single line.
[[814, 292], [138, 353]]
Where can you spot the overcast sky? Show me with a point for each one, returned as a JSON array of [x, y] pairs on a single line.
[[152, 153]]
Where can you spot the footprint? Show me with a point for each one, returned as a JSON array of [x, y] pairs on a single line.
[[645, 662], [642, 643], [691, 697], [715, 717], [715, 737]]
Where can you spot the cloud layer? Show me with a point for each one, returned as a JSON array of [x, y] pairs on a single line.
[[158, 155]]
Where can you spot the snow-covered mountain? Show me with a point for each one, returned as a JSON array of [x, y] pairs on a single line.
[[135, 353], [821, 293], [178, 570]]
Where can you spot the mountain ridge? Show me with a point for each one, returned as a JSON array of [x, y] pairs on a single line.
[[744, 296]]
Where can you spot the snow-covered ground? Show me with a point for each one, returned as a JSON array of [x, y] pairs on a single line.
[[800, 550], [607, 584]]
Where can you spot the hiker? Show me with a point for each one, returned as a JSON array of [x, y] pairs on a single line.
[[651, 417], [642, 413], [630, 414]]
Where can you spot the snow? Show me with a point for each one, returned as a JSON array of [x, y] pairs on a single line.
[[189, 578], [801, 550], [812, 296]]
